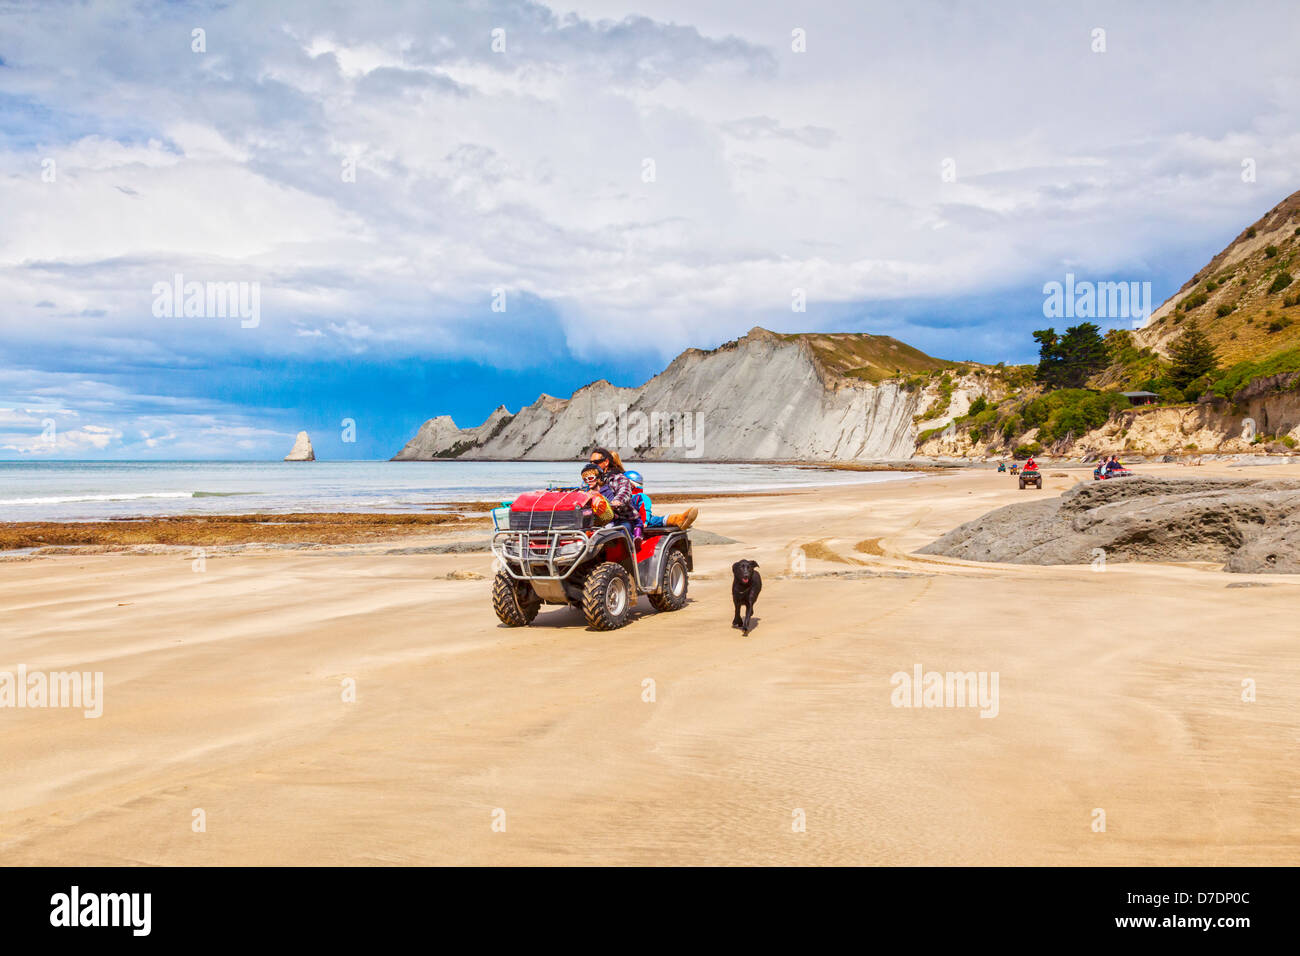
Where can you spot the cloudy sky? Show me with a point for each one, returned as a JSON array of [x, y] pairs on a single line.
[[620, 179]]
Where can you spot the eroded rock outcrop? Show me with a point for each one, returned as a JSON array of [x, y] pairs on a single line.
[[1250, 525], [302, 450]]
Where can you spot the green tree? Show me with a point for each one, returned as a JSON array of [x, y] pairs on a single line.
[[1049, 357], [1193, 357], [1119, 343], [1069, 360]]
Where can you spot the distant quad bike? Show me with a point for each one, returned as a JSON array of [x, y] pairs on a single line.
[[1032, 477], [552, 552]]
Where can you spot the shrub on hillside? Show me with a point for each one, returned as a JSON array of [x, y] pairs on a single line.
[[1230, 382], [941, 401], [1035, 412], [1077, 411], [1280, 282]]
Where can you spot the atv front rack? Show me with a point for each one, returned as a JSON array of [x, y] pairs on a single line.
[[537, 555]]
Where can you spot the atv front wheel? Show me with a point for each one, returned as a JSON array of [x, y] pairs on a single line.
[[672, 584], [514, 601], [607, 597]]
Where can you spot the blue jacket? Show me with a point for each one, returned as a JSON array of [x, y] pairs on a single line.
[[642, 500]]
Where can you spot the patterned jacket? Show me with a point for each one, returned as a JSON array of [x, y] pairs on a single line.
[[620, 495]]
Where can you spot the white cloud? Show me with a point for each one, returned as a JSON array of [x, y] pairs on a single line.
[[35, 434], [524, 170]]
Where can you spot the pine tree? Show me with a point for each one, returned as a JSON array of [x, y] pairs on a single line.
[[1193, 356], [1069, 360], [1085, 353], [1049, 358]]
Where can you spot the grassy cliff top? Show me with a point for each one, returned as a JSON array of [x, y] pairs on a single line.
[[870, 358]]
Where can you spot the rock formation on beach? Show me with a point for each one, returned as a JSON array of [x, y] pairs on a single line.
[[302, 450], [764, 397], [1250, 525]]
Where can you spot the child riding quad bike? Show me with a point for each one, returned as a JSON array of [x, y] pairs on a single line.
[[553, 552]]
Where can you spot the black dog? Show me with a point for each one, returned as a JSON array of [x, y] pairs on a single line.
[[745, 586]]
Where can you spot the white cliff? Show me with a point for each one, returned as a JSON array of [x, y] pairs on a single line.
[[765, 397]]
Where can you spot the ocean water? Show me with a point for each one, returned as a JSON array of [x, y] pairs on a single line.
[[87, 490]]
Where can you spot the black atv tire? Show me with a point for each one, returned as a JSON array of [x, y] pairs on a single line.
[[673, 583], [608, 597], [512, 605]]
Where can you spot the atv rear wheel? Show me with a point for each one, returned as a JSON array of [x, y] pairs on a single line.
[[514, 601], [672, 584], [607, 597]]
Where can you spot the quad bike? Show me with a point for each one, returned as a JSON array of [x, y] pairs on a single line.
[[551, 551], [1099, 474], [1031, 476]]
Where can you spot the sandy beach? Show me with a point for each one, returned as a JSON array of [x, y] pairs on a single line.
[[224, 692]]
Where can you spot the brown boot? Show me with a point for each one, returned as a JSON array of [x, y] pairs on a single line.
[[683, 520]]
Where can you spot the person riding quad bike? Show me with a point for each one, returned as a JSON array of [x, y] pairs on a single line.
[[1110, 468], [568, 546], [1030, 475]]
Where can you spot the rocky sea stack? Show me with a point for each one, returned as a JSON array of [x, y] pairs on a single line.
[[302, 450]]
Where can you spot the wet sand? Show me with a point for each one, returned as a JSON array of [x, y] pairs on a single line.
[[218, 530]]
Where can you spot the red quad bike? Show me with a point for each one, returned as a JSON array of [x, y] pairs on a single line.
[[552, 552], [1031, 476]]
